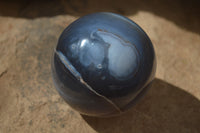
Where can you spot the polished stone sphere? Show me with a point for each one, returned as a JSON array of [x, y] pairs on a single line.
[[102, 64]]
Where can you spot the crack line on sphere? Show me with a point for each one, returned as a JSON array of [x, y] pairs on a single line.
[[108, 100], [73, 70]]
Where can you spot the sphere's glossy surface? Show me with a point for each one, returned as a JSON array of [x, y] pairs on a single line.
[[103, 62]]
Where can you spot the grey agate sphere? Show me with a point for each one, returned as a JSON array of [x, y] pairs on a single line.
[[102, 64]]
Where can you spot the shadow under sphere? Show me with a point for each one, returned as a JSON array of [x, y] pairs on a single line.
[[165, 108]]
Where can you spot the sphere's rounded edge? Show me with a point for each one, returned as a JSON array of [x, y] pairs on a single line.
[[143, 90]]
